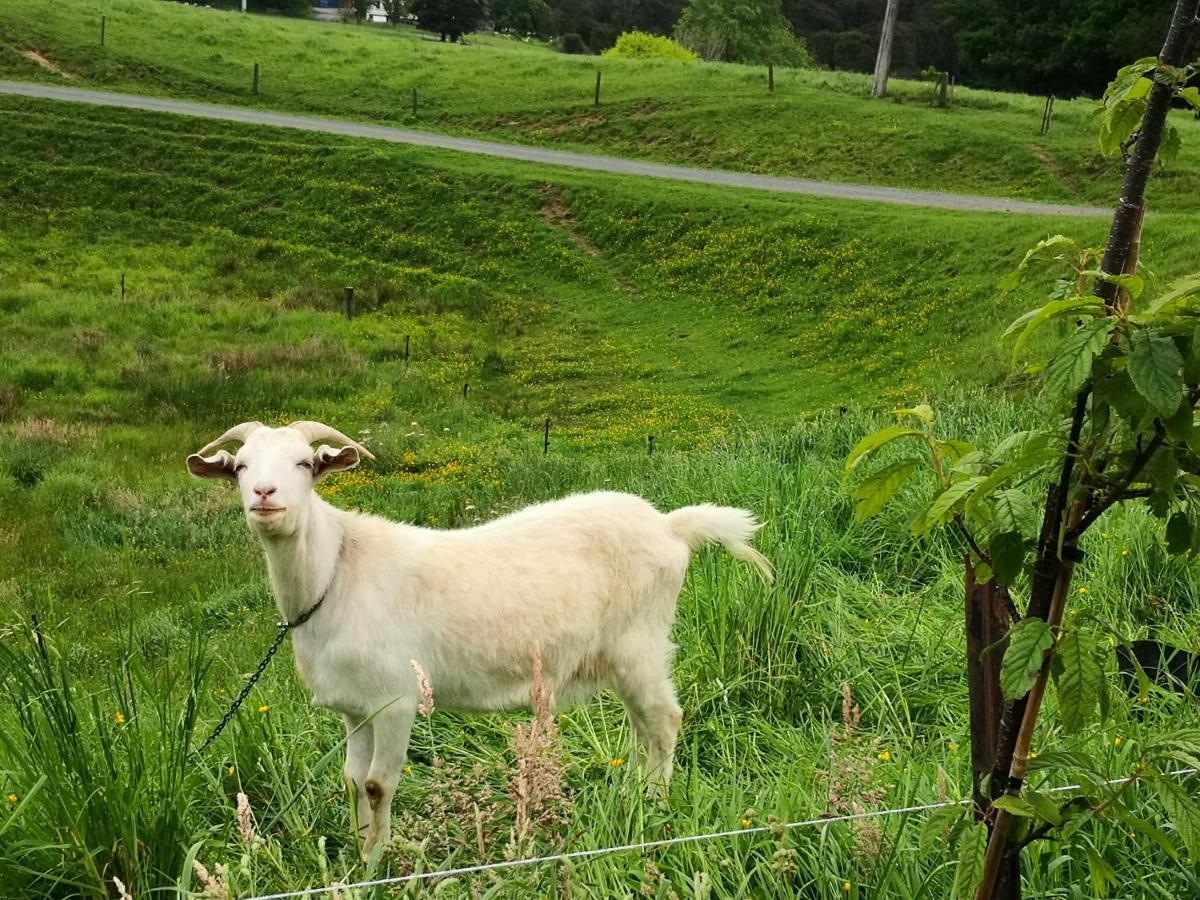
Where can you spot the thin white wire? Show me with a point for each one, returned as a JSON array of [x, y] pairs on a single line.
[[653, 845]]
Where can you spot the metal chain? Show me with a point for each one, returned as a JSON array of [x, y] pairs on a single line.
[[284, 628]]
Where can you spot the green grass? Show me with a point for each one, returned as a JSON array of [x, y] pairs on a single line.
[[817, 124], [731, 329]]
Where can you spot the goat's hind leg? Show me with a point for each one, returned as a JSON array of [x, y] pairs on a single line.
[[643, 682]]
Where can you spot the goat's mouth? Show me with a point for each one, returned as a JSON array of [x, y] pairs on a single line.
[[264, 511]]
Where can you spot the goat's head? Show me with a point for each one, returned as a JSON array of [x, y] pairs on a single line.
[[275, 469]]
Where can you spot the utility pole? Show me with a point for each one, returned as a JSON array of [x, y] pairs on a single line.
[[883, 61]]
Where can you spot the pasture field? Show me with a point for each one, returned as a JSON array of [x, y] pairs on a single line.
[[731, 327], [817, 124]]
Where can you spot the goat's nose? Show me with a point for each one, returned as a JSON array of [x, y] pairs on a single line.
[[264, 490]]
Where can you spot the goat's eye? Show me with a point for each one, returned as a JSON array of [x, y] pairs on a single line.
[[239, 468], [305, 464]]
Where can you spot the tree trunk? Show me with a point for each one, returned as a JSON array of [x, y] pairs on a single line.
[[988, 621]]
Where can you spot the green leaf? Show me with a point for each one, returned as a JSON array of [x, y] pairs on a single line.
[[1018, 806], [1071, 366], [1007, 552], [873, 442], [1079, 677], [1180, 806], [1027, 645], [1180, 532], [873, 494], [943, 505], [1044, 805], [972, 851], [1155, 366], [1057, 309], [922, 411], [938, 826], [1127, 76], [1191, 95], [1168, 150], [1013, 511], [1055, 247], [1177, 298], [1182, 425], [1133, 284]]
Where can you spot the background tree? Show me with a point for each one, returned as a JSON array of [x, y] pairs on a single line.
[[523, 17], [844, 34], [748, 31], [1063, 47], [600, 22], [449, 18], [393, 9]]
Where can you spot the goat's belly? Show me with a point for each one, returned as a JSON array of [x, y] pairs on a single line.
[[565, 687]]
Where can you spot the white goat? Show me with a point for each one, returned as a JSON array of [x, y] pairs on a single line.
[[589, 581]]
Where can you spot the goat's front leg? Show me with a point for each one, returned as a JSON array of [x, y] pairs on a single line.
[[392, 728], [360, 748]]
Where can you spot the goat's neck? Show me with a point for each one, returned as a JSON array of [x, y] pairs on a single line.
[[303, 564]]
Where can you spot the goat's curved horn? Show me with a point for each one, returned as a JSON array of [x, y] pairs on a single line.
[[236, 433], [316, 431]]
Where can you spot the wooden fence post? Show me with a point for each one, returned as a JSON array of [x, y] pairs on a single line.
[[771, 76], [650, 445], [122, 285], [348, 301], [414, 102], [102, 24], [597, 102], [1047, 114], [254, 90], [546, 439], [406, 339], [466, 384], [944, 90]]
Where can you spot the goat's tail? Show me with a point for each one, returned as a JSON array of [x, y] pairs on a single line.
[[725, 525]]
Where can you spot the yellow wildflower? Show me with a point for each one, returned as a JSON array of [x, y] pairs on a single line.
[[1082, 589], [953, 747], [1105, 535], [847, 887], [1124, 551], [615, 763], [12, 798], [263, 709], [231, 770], [408, 770], [120, 717], [1116, 742], [885, 756]]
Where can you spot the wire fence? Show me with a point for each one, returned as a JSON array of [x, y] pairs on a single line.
[[642, 846]]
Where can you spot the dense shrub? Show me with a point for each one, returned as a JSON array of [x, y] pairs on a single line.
[[640, 45], [572, 43]]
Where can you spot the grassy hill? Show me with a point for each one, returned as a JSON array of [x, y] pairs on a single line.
[[817, 124], [731, 327]]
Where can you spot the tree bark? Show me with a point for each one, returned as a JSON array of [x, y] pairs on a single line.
[[1127, 218], [988, 622]]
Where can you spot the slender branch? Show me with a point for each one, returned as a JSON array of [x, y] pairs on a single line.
[[1122, 490], [970, 538]]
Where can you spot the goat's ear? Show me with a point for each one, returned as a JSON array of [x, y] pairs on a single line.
[[219, 465], [326, 460]]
